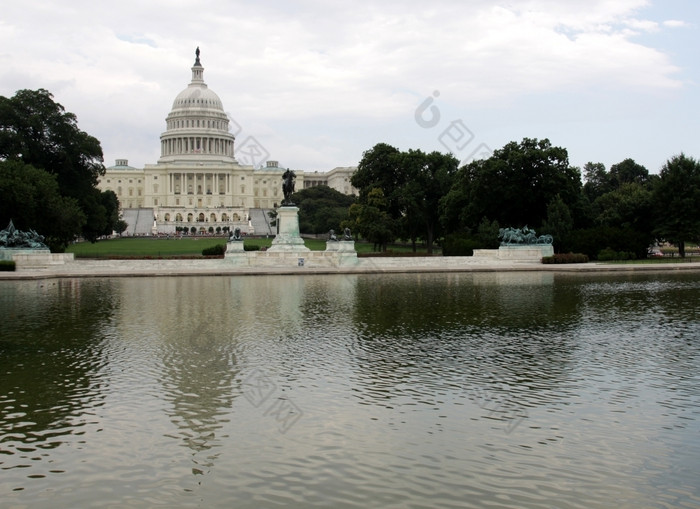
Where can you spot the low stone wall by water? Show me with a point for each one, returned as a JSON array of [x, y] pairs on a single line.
[[35, 258]]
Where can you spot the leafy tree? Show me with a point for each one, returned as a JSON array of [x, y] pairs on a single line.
[[513, 186], [120, 227], [676, 198], [598, 180], [412, 185], [372, 221], [321, 208], [380, 168], [31, 198], [629, 206], [487, 234], [37, 131], [559, 222], [426, 179], [627, 172], [591, 241]]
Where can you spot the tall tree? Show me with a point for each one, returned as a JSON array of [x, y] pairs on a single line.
[[412, 184], [676, 198], [598, 180], [31, 198], [513, 186], [380, 168], [427, 178], [559, 222], [39, 132], [627, 172], [321, 208], [371, 220]]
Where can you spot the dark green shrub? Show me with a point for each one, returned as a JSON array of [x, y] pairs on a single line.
[[460, 245], [592, 241], [247, 247], [7, 266], [216, 250], [565, 258]]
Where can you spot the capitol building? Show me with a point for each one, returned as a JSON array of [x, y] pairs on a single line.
[[199, 181]]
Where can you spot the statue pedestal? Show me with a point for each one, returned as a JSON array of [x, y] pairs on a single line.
[[288, 238], [234, 246], [346, 246], [525, 253], [332, 246], [235, 253]]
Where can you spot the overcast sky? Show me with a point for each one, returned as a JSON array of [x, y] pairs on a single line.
[[315, 84]]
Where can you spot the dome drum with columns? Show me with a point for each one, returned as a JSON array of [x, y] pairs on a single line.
[[197, 181]]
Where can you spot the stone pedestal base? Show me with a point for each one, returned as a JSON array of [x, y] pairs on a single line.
[[288, 238], [532, 253], [235, 246], [346, 246], [35, 258], [235, 253]]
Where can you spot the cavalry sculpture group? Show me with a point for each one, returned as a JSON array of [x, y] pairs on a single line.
[[13, 238], [522, 236]]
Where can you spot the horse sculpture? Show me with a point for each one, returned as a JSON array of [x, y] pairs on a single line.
[[525, 236]]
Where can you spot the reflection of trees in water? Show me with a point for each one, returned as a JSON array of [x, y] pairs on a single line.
[[502, 333], [51, 355]]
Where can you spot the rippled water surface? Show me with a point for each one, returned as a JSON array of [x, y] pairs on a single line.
[[470, 390]]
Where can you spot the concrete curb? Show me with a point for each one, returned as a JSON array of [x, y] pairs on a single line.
[[189, 268]]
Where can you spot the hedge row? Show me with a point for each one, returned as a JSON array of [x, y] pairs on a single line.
[[7, 266], [566, 258]]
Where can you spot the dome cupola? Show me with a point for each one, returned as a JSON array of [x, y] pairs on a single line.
[[197, 128]]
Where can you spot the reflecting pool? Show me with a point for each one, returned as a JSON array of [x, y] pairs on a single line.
[[440, 390]]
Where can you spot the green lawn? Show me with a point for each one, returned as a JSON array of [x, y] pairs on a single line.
[[660, 261], [144, 246], [187, 246]]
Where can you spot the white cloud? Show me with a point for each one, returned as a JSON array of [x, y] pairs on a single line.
[[119, 66]]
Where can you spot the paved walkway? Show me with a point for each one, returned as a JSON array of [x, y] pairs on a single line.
[[223, 267]]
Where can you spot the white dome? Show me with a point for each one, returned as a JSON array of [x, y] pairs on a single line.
[[197, 127], [197, 96]]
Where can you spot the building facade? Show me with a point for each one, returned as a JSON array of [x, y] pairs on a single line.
[[197, 180]]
